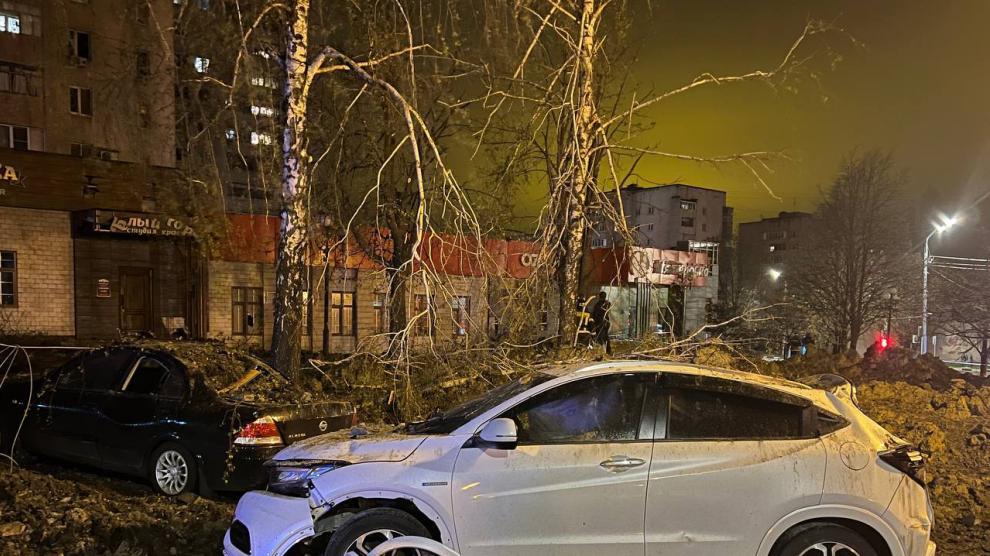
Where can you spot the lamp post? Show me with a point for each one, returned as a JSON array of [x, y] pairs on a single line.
[[939, 228]]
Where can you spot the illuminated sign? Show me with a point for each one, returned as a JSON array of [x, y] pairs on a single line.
[[136, 223], [9, 174]]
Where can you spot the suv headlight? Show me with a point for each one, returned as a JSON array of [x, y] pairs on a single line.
[[295, 478]]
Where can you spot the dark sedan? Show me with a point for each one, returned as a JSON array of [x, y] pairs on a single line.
[[145, 412]]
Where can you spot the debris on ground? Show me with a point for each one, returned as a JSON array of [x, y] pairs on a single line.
[[50, 509]]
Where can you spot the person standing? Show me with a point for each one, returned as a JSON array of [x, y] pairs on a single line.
[[600, 323]]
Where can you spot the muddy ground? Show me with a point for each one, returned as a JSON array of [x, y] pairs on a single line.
[[50, 508]]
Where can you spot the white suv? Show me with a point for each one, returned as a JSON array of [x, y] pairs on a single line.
[[620, 458]]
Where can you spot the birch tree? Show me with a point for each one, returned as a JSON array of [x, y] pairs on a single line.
[[564, 111]]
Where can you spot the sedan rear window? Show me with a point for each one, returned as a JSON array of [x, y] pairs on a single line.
[[698, 415]]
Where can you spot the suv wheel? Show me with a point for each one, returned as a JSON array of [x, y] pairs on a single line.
[[173, 470], [370, 528], [826, 539]]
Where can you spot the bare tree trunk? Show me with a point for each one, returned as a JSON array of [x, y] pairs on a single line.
[[290, 257], [984, 355], [573, 219]]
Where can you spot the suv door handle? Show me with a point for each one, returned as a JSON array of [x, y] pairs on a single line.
[[618, 464]]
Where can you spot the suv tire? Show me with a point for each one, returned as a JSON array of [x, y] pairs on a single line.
[[367, 529], [825, 539]]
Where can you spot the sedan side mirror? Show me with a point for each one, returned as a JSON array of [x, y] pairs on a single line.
[[499, 433]]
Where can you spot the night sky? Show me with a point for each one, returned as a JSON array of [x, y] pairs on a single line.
[[917, 84]]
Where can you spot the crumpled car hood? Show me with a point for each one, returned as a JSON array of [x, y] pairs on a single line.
[[332, 447]]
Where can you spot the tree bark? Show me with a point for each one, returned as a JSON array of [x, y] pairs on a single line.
[[290, 257], [984, 355], [583, 174]]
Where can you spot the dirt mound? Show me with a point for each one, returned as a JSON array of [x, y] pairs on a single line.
[[899, 364], [952, 426], [56, 510]]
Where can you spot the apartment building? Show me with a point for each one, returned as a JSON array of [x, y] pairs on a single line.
[[768, 248], [86, 148]]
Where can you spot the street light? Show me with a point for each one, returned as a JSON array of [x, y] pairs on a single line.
[[939, 229], [774, 274]]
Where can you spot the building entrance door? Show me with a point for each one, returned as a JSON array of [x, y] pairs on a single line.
[[135, 299]]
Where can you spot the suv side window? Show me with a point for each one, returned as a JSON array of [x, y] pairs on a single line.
[[711, 415], [600, 409]]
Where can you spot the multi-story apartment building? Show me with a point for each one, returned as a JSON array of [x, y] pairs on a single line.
[[87, 132], [768, 248], [665, 217]]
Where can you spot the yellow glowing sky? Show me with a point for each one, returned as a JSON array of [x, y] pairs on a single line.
[[918, 85]]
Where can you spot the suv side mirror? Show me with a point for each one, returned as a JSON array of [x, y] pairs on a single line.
[[499, 433]]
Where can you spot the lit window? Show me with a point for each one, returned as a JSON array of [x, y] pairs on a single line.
[[260, 138], [381, 313], [201, 64], [262, 111], [342, 311], [8, 278], [599, 243], [231, 134], [460, 308], [263, 82], [773, 248], [10, 24], [81, 101], [687, 205]]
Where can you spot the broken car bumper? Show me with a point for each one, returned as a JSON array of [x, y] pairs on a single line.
[[267, 524]]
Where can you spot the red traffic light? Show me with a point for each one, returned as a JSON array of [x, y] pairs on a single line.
[[883, 341]]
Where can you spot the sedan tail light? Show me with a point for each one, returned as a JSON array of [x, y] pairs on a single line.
[[260, 432], [908, 460]]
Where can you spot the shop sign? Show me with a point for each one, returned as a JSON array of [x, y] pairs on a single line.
[[103, 288], [9, 174], [141, 224]]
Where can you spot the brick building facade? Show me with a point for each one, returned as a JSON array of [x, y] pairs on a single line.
[[36, 272]]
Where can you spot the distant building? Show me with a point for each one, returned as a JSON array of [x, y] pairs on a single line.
[[771, 245], [665, 216], [679, 217]]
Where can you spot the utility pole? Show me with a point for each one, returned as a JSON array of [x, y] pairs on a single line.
[[939, 228]]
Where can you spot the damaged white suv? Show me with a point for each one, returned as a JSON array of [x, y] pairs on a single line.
[[619, 458]]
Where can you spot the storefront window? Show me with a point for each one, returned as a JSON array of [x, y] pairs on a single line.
[[342, 311], [8, 278], [247, 312]]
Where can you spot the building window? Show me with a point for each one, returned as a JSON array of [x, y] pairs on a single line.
[[381, 313], [80, 101], [263, 82], [260, 138], [704, 227], [424, 316], [79, 52], [342, 310], [688, 205], [230, 134], [600, 242], [15, 137], [262, 111], [687, 221], [142, 63], [17, 80], [247, 312], [460, 309], [8, 279], [649, 210], [649, 227], [10, 23]]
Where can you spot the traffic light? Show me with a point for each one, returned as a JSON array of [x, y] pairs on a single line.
[[883, 341]]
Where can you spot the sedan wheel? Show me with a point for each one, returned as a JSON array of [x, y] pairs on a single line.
[[173, 470]]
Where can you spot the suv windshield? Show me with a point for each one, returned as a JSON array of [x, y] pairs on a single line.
[[448, 421]]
